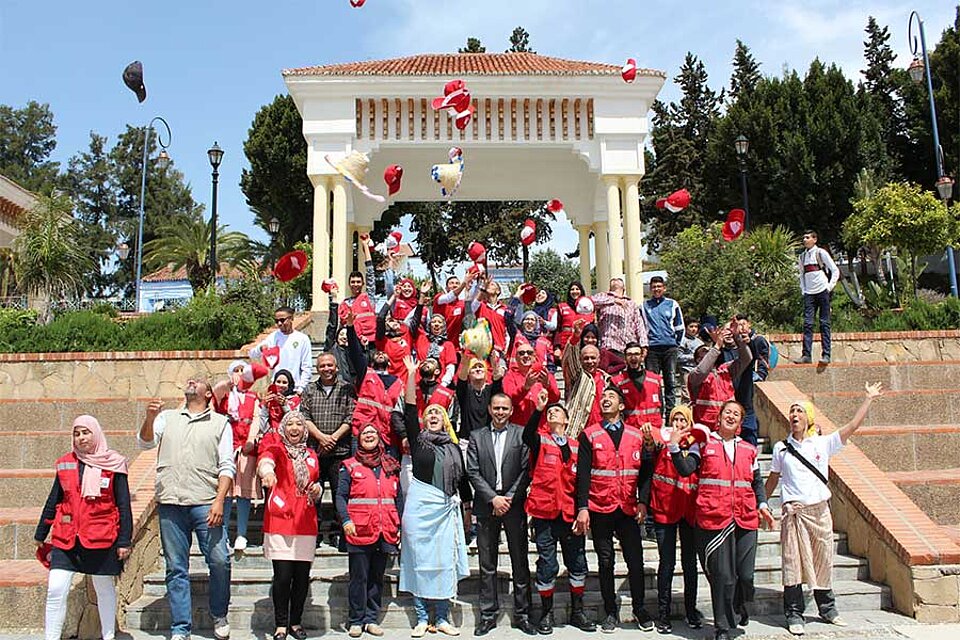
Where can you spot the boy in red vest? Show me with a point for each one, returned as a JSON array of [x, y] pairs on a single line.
[[550, 505], [712, 385]]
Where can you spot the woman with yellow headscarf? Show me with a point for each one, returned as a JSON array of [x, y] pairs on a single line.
[[806, 532]]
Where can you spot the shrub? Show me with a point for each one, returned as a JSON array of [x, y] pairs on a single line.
[[75, 331]]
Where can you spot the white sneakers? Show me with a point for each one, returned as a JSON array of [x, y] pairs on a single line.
[[240, 544], [419, 631], [221, 628], [355, 631], [796, 629], [373, 629], [448, 629]]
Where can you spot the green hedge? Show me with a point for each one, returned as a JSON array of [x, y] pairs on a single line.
[[208, 321]]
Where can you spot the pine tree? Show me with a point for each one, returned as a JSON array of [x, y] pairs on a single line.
[[881, 102], [473, 46], [520, 41], [746, 72]]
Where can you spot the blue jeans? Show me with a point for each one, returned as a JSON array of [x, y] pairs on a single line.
[[441, 610], [547, 534], [177, 525], [243, 514], [664, 360], [813, 303], [750, 429]]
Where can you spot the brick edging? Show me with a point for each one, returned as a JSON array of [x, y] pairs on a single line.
[[869, 335]]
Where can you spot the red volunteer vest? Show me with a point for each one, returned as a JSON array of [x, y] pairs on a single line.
[[641, 405], [372, 505], [95, 521], [672, 496], [716, 389], [524, 402], [498, 324], [725, 489], [397, 348], [615, 472], [553, 484], [441, 395], [566, 317], [285, 512], [453, 314], [241, 426], [365, 316], [374, 406]]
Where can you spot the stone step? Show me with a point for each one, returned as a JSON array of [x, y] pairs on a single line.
[[40, 449], [936, 492], [909, 447], [334, 582], [23, 594], [17, 527], [328, 558], [57, 414], [851, 377], [927, 407], [25, 487], [255, 613]]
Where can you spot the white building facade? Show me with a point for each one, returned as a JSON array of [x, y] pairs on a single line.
[[543, 128]]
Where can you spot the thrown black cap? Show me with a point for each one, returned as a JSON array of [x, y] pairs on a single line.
[[133, 78]]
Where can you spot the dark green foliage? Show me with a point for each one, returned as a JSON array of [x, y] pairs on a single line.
[[473, 46], [276, 184], [553, 272], [27, 138], [746, 72], [520, 41]]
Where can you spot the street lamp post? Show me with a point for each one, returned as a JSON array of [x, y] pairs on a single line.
[[215, 154], [274, 226], [919, 68], [163, 159], [742, 146]]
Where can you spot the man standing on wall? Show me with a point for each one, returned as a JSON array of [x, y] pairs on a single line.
[[818, 276]]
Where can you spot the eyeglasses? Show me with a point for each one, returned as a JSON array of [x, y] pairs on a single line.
[[281, 320], [524, 353]]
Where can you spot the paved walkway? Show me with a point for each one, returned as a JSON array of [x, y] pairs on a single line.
[[872, 625]]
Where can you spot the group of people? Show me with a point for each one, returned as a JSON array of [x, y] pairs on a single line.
[[426, 444]]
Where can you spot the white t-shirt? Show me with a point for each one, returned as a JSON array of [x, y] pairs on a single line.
[[797, 483], [295, 355]]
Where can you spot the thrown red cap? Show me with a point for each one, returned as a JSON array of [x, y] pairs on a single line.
[[629, 70], [290, 265], [392, 175], [675, 202], [528, 234], [476, 251], [733, 227], [528, 293], [328, 285]]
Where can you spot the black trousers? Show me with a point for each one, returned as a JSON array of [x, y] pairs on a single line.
[[728, 557], [514, 523], [291, 580], [364, 594], [627, 530], [794, 603], [667, 546]]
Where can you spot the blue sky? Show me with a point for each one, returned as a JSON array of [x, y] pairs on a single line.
[[210, 65]]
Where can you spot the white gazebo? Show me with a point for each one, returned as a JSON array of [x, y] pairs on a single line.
[[543, 128]]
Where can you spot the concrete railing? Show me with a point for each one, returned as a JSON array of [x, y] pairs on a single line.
[[905, 549], [882, 346]]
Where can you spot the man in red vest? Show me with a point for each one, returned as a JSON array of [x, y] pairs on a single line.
[[523, 382], [379, 393], [640, 388], [451, 306], [611, 473], [710, 384], [364, 307], [550, 505]]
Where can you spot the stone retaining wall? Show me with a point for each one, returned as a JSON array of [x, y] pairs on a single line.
[[887, 346], [905, 549]]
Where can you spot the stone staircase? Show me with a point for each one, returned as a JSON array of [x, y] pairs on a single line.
[[251, 607], [912, 433]]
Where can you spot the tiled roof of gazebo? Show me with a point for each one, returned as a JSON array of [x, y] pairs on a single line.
[[490, 64]]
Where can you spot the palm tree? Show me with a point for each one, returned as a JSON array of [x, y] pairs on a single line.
[[49, 260], [184, 241]]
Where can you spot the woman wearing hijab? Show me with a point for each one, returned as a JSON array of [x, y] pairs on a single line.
[[434, 555], [242, 408], [530, 327], [281, 398], [672, 505], [291, 472], [434, 343], [369, 503], [88, 518], [806, 533], [731, 503], [567, 315]]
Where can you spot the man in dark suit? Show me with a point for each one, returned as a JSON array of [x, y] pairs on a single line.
[[498, 465]]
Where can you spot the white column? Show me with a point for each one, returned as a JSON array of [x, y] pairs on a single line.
[[321, 243], [340, 232], [633, 234], [584, 230], [614, 226], [603, 255]]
